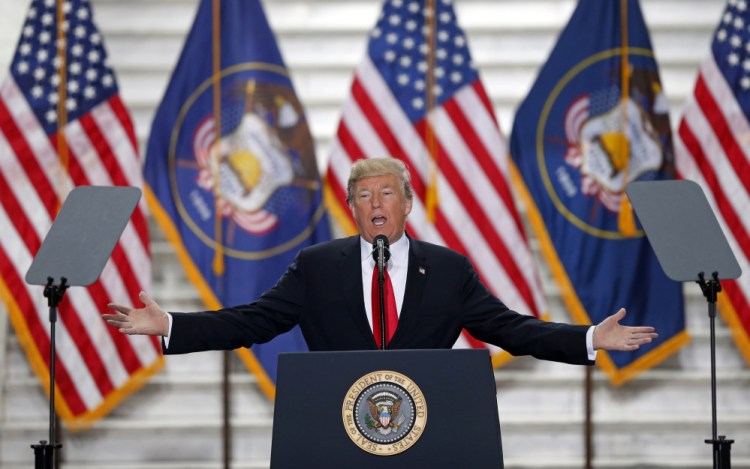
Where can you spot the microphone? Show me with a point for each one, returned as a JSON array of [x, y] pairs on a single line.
[[381, 254], [380, 251]]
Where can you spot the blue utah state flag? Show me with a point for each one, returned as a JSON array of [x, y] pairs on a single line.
[[595, 120], [231, 167]]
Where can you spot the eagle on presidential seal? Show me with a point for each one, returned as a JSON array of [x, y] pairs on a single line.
[[384, 409]]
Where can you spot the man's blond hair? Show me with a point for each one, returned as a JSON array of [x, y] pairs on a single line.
[[370, 167]]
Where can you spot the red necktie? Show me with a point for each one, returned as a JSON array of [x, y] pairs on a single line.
[[391, 318]]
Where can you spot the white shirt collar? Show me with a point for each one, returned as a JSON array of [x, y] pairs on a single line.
[[399, 253]]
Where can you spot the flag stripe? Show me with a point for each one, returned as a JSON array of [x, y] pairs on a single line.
[[19, 146], [385, 107], [116, 141], [110, 344], [739, 301], [36, 150], [725, 137], [123, 117], [372, 118], [488, 213], [81, 336], [10, 204], [480, 242], [349, 143], [483, 138], [711, 179]]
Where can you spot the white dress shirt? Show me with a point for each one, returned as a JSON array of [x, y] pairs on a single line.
[[397, 267]]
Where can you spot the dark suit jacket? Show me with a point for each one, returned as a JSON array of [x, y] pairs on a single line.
[[322, 292]]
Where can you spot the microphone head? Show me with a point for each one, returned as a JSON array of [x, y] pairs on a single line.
[[380, 240]]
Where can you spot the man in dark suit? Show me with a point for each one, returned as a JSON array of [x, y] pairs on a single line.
[[433, 293]]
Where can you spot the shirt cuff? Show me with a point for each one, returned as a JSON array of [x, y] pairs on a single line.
[[589, 341], [169, 333]]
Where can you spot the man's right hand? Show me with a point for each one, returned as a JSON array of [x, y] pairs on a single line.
[[149, 320]]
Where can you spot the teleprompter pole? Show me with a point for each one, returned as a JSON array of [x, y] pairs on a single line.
[[721, 445], [44, 452]]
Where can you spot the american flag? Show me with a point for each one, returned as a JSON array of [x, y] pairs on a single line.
[[418, 72], [713, 149], [96, 367]]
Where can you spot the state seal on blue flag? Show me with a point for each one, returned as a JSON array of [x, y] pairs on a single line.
[[595, 120], [594, 137], [231, 170], [258, 171]]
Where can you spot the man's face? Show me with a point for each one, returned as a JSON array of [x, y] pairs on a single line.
[[379, 206]]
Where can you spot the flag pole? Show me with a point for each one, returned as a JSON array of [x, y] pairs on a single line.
[[625, 219], [218, 264], [4, 317], [226, 401], [431, 193], [62, 94], [588, 426]]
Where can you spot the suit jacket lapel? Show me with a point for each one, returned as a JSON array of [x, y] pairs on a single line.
[[416, 277], [350, 279]]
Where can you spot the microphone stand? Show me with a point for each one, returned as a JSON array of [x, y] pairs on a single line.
[[722, 446], [381, 290], [44, 453]]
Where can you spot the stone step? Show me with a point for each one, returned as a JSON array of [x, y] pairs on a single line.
[[324, 41], [510, 463], [170, 397], [338, 16], [554, 435]]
